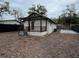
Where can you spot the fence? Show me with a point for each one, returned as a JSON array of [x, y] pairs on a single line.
[[9, 27], [75, 28]]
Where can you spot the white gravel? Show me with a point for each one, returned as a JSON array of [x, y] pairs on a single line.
[[68, 32]]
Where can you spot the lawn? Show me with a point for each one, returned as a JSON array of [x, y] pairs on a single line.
[[53, 45]]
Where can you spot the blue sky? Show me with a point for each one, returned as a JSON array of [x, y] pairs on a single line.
[[54, 7]]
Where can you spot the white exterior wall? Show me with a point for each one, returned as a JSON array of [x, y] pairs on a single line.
[[36, 23], [43, 22], [50, 28], [37, 33], [25, 24]]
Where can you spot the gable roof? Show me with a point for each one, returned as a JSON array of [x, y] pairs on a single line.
[[32, 16]]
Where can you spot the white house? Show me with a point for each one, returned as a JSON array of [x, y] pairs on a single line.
[[38, 25]]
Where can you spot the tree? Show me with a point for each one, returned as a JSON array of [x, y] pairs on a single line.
[[6, 8], [38, 9], [69, 16], [17, 13]]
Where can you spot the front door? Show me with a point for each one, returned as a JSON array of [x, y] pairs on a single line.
[[32, 25]]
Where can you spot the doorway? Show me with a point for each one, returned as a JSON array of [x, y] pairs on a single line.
[[32, 25]]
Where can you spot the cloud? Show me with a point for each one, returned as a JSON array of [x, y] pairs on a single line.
[[54, 7]]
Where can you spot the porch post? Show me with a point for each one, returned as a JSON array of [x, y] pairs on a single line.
[[40, 25], [28, 25], [46, 25]]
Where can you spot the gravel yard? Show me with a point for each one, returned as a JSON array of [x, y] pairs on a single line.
[[53, 45]]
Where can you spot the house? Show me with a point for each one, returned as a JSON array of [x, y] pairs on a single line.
[[38, 25]]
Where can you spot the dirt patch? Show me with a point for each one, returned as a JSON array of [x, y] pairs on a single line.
[[53, 45]]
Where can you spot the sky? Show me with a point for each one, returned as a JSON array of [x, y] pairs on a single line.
[[54, 7]]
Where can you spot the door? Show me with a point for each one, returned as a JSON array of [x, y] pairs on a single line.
[[32, 25]]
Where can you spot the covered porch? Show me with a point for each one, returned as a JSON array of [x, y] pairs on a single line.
[[35, 23], [36, 29]]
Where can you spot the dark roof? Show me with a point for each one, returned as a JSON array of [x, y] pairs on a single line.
[[32, 16]]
